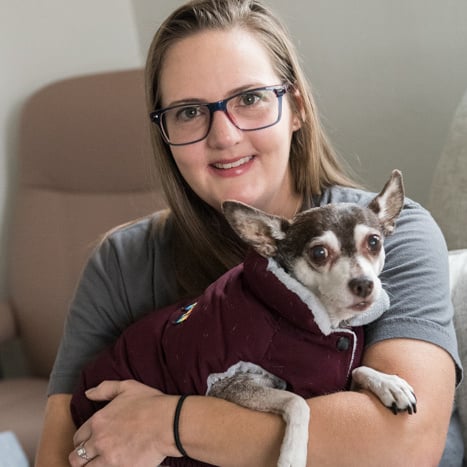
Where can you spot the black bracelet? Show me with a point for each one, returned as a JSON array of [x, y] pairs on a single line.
[[178, 410]]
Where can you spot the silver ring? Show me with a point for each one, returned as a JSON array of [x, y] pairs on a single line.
[[81, 451]]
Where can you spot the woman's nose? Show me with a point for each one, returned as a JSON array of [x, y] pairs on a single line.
[[223, 132]]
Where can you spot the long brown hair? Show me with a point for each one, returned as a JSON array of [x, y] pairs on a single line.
[[203, 246]]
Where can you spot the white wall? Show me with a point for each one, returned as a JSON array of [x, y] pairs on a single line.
[[148, 16], [387, 75], [42, 41]]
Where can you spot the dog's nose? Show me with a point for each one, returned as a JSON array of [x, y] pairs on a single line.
[[361, 287]]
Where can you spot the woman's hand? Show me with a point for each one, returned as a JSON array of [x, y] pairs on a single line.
[[135, 428]]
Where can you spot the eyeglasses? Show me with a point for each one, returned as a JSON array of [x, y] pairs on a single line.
[[249, 110]]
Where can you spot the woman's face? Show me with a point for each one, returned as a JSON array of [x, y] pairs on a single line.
[[248, 166]]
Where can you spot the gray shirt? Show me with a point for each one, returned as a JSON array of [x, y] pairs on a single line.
[[129, 275]]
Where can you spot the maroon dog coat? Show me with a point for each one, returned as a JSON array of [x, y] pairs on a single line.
[[253, 313]]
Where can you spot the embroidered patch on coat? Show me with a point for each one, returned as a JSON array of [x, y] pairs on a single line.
[[185, 313]]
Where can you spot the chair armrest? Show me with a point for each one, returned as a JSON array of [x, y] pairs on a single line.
[[7, 322]]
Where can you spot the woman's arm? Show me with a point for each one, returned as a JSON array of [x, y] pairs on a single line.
[[346, 428], [357, 423], [57, 434]]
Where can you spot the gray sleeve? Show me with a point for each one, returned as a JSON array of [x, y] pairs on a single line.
[[416, 277], [116, 287]]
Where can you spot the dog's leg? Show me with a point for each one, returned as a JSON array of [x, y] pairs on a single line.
[[296, 414], [254, 391], [394, 392]]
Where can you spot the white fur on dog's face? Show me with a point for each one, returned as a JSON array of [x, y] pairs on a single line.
[[327, 272]]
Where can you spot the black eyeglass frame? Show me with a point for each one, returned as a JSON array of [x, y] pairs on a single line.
[[279, 91]]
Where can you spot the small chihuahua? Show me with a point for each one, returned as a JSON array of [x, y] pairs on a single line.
[[335, 251]]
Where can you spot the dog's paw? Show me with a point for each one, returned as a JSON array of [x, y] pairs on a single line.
[[398, 395], [394, 392]]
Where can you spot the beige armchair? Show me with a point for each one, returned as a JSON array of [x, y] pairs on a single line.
[[84, 167]]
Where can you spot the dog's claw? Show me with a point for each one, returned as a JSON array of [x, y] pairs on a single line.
[[410, 409], [396, 394]]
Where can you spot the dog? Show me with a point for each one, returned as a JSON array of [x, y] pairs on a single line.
[[265, 334], [336, 251]]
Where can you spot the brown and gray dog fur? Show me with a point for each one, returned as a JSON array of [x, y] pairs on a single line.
[[336, 251]]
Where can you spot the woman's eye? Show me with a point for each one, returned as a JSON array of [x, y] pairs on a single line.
[[250, 98], [185, 114], [319, 254], [374, 243]]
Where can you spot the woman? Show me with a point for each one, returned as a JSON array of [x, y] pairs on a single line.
[[209, 62]]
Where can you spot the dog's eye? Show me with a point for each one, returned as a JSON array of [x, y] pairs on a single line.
[[319, 254], [374, 243]]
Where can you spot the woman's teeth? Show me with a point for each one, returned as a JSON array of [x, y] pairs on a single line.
[[232, 165]]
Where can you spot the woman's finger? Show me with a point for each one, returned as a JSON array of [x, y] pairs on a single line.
[[81, 455]]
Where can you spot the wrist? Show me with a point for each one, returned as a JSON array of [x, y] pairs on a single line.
[[164, 420], [212, 430]]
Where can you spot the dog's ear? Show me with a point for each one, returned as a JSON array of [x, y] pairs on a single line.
[[257, 228], [388, 204]]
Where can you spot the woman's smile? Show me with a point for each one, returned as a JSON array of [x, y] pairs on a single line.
[[233, 167]]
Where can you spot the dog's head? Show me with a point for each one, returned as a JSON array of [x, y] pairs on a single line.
[[336, 250]]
